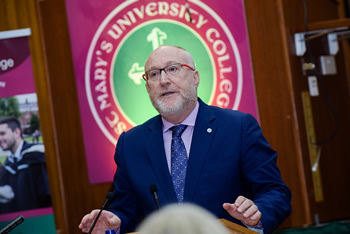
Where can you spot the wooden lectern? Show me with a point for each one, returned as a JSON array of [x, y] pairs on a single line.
[[232, 227], [235, 228]]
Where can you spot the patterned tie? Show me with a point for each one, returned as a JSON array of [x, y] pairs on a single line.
[[178, 161]]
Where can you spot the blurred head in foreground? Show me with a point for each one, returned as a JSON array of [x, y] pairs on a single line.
[[182, 219]]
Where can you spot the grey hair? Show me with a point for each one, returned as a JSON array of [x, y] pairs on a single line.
[[182, 219]]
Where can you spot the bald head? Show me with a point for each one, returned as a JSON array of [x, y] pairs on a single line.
[[168, 54]]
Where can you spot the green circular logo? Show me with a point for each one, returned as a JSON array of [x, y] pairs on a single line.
[[130, 92]]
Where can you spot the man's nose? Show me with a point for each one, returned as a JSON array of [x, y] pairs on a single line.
[[163, 77]]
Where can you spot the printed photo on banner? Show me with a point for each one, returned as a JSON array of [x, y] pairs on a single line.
[[23, 175]]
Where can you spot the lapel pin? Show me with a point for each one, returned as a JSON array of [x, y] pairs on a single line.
[[209, 130]]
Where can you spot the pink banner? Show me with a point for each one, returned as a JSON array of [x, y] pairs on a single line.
[[111, 41], [15, 67], [23, 191]]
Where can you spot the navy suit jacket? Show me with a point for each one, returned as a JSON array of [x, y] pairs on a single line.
[[230, 160]]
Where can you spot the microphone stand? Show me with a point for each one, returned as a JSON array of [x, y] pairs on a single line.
[[109, 199], [153, 189], [14, 223]]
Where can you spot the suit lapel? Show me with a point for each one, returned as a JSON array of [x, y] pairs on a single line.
[[156, 153], [203, 136]]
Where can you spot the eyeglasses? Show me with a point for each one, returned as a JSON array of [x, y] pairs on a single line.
[[172, 69]]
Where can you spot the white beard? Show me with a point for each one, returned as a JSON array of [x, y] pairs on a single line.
[[182, 103]]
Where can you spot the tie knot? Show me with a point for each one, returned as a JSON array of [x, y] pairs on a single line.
[[178, 130]]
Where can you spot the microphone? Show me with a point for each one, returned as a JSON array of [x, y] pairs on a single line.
[[109, 198], [14, 223], [153, 189]]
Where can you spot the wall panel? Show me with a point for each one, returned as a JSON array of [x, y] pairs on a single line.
[[279, 83]]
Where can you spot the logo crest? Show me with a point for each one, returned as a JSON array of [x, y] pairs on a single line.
[[113, 74]]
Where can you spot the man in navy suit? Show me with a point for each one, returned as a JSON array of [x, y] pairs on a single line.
[[231, 169]]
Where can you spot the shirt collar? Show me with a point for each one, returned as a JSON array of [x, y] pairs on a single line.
[[18, 154], [189, 121]]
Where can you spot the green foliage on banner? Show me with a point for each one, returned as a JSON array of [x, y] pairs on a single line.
[[34, 123], [9, 107]]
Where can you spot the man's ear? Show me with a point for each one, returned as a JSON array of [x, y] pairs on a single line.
[[17, 132], [196, 78]]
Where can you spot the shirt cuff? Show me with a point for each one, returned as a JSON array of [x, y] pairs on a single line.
[[256, 228]]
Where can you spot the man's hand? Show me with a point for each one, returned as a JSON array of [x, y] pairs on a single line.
[[245, 210], [106, 221]]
